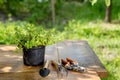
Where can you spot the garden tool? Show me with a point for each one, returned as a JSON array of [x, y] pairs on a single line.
[[61, 70], [73, 65], [45, 70], [72, 61]]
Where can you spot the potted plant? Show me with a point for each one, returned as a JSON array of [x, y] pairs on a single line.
[[33, 40]]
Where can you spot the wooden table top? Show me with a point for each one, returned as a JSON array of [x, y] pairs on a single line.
[[12, 68]]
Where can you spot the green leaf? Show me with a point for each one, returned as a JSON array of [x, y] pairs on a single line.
[[93, 1], [2, 1], [107, 2]]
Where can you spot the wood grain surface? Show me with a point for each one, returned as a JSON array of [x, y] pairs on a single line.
[[12, 68]]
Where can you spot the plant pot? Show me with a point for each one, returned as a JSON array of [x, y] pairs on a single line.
[[34, 56]]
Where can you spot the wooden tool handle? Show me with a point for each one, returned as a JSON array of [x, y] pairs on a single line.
[[46, 64], [72, 61], [54, 64], [69, 60], [64, 62]]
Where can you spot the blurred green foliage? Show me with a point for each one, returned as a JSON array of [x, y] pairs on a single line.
[[39, 11], [36, 11]]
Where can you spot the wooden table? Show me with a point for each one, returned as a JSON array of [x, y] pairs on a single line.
[[12, 68]]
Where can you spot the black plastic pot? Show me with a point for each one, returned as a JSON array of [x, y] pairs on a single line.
[[34, 56]]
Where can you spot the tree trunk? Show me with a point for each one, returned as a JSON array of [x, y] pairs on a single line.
[[108, 13], [8, 6], [53, 11]]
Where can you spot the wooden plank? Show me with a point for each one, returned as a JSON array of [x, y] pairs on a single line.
[[12, 68], [79, 51], [90, 75], [17, 71], [36, 76], [96, 63]]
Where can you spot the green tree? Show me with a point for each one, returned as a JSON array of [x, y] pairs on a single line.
[[108, 9], [53, 11], [11, 7]]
